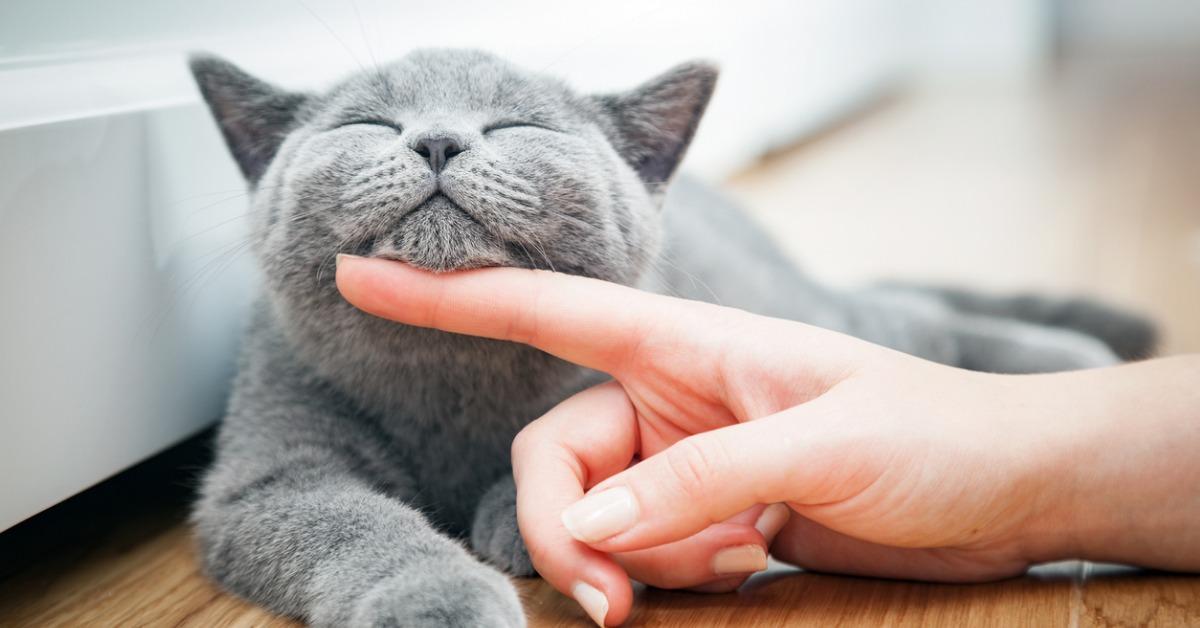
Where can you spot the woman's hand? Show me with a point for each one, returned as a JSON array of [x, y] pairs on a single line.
[[890, 465]]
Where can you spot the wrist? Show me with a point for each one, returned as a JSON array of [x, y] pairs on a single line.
[[1063, 523], [1120, 481], [1048, 450]]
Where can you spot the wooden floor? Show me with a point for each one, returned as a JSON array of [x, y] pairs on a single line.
[[1086, 183], [143, 573]]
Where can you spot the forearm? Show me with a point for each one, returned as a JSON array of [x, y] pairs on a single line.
[[1126, 485]]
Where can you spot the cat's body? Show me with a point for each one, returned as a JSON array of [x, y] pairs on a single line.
[[356, 450]]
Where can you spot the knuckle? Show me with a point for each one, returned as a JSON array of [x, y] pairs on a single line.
[[540, 555], [693, 463], [532, 437], [526, 326], [522, 442], [658, 576]]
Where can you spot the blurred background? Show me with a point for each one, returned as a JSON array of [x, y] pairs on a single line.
[[1047, 145]]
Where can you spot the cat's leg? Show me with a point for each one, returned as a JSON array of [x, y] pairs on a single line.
[[303, 513], [1006, 346], [494, 532], [1130, 335], [303, 534], [924, 326]]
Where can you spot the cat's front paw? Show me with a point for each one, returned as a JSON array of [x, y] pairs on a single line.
[[494, 533], [464, 593]]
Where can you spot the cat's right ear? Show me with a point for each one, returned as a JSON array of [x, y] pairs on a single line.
[[652, 125], [254, 116]]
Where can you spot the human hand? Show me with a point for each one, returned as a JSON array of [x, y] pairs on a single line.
[[893, 466]]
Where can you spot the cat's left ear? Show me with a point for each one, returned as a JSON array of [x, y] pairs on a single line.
[[652, 125], [254, 116]]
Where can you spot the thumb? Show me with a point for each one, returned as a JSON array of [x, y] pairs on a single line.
[[708, 478]]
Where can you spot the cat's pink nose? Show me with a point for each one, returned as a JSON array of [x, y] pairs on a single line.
[[437, 151]]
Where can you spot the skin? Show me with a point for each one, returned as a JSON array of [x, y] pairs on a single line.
[[890, 465]]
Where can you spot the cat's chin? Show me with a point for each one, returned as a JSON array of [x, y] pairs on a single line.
[[446, 265], [440, 265], [439, 236]]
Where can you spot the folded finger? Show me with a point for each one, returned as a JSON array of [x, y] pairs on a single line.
[[587, 437], [729, 551]]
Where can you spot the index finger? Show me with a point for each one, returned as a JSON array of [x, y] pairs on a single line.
[[590, 322]]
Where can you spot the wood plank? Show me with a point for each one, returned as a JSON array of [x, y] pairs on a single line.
[[789, 597], [1122, 596]]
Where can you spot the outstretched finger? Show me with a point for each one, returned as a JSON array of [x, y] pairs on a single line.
[[586, 321]]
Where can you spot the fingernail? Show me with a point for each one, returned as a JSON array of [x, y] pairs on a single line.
[[601, 515], [739, 559], [337, 261], [592, 600], [772, 519]]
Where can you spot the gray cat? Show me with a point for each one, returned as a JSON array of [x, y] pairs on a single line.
[[356, 453]]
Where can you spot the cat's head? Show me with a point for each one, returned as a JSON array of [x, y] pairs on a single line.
[[451, 159]]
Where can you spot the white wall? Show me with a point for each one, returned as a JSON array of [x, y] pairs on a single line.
[[982, 40], [1128, 27]]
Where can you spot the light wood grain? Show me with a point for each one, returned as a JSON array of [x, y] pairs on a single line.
[[147, 576], [1085, 183], [788, 597], [1120, 596]]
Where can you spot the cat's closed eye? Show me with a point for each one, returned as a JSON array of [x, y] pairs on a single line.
[[371, 122], [516, 124]]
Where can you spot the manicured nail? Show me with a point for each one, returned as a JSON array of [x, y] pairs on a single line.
[[592, 600], [772, 519], [739, 559], [601, 515]]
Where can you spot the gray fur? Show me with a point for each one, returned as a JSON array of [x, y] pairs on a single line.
[[357, 455], [494, 533], [1129, 335]]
